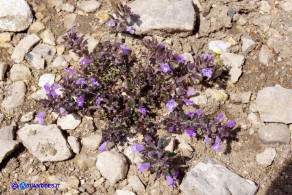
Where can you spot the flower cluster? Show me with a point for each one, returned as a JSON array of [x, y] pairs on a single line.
[[128, 93]]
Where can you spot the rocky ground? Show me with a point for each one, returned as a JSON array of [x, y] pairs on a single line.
[[258, 97]]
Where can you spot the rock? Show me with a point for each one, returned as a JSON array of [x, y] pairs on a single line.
[[46, 78], [275, 104], [133, 157], [36, 27], [186, 149], [136, 184], [74, 144], [109, 159], [92, 142], [38, 95], [243, 97], [65, 182], [46, 143], [212, 178], [274, 133], [68, 7], [234, 62], [220, 18], [35, 60], [20, 72], [88, 6], [6, 148], [69, 21], [27, 117], [170, 146], [23, 47], [15, 15], [266, 157], [85, 161], [59, 63], [188, 57], [48, 37], [265, 55], [265, 6], [5, 37], [7, 133], [169, 16], [46, 51], [255, 120], [3, 68], [15, 96], [247, 44], [124, 192], [287, 6], [69, 122]]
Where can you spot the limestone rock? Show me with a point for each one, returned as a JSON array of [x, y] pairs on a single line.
[[234, 62], [6, 147], [92, 142], [20, 72], [266, 157], [74, 144], [274, 133], [7, 133], [70, 121], [15, 97], [88, 6]]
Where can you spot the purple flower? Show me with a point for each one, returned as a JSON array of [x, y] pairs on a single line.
[[80, 101], [165, 68], [47, 88], [63, 111], [110, 23], [207, 57], [191, 92], [180, 59], [143, 111], [70, 70], [143, 166], [124, 49], [137, 148], [102, 147], [191, 133], [150, 154], [81, 81], [160, 46], [207, 72], [171, 129], [101, 55], [85, 61], [170, 181], [188, 102], [220, 116], [216, 147], [198, 111], [98, 100], [130, 29], [230, 124], [207, 140], [190, 114], [94, 82], [40, 117], [170, 105]]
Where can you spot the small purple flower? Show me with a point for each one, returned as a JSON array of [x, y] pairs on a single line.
[[130, 29], [143, 111], [80, 101], [180, 59], [198, 111], [207, 72], [188, 102], [190, 114], [207, 57], [85, 61], [170, 181], [207, 140], [171, 129], [40, 117], [143, 166], [63, 111], [160, 46], [230, 124], [170, 105], [165, 68], [102, 147], [191, 92], [81, 81], [70, 70], [137, 148], [110, 23], [220, 116], [124, 49], [101, 55], [47, 88], [94, 82], [216, 147], [150, 154], [191, 133], [98, 100]]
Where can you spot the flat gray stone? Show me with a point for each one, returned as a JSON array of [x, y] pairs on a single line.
[[15, 15], [15, 96], [124, 192], [213, 178], [20, 72], [59, 63], [27, 117], [265, 55], [247, 44], [70, 121], [7, 133], [69, 21], [92, 142], [46, 143], [6, 148], [88, 6], [35, 60], [74, 144], [46, 51], [112, 166], [275, 104], [287, 6], [48, 37], [234, 62], [136, 184], [274, 133], [266, 157], [23, 47], [168, 16]]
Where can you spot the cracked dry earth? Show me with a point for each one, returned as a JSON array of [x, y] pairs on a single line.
[[258, 98]]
